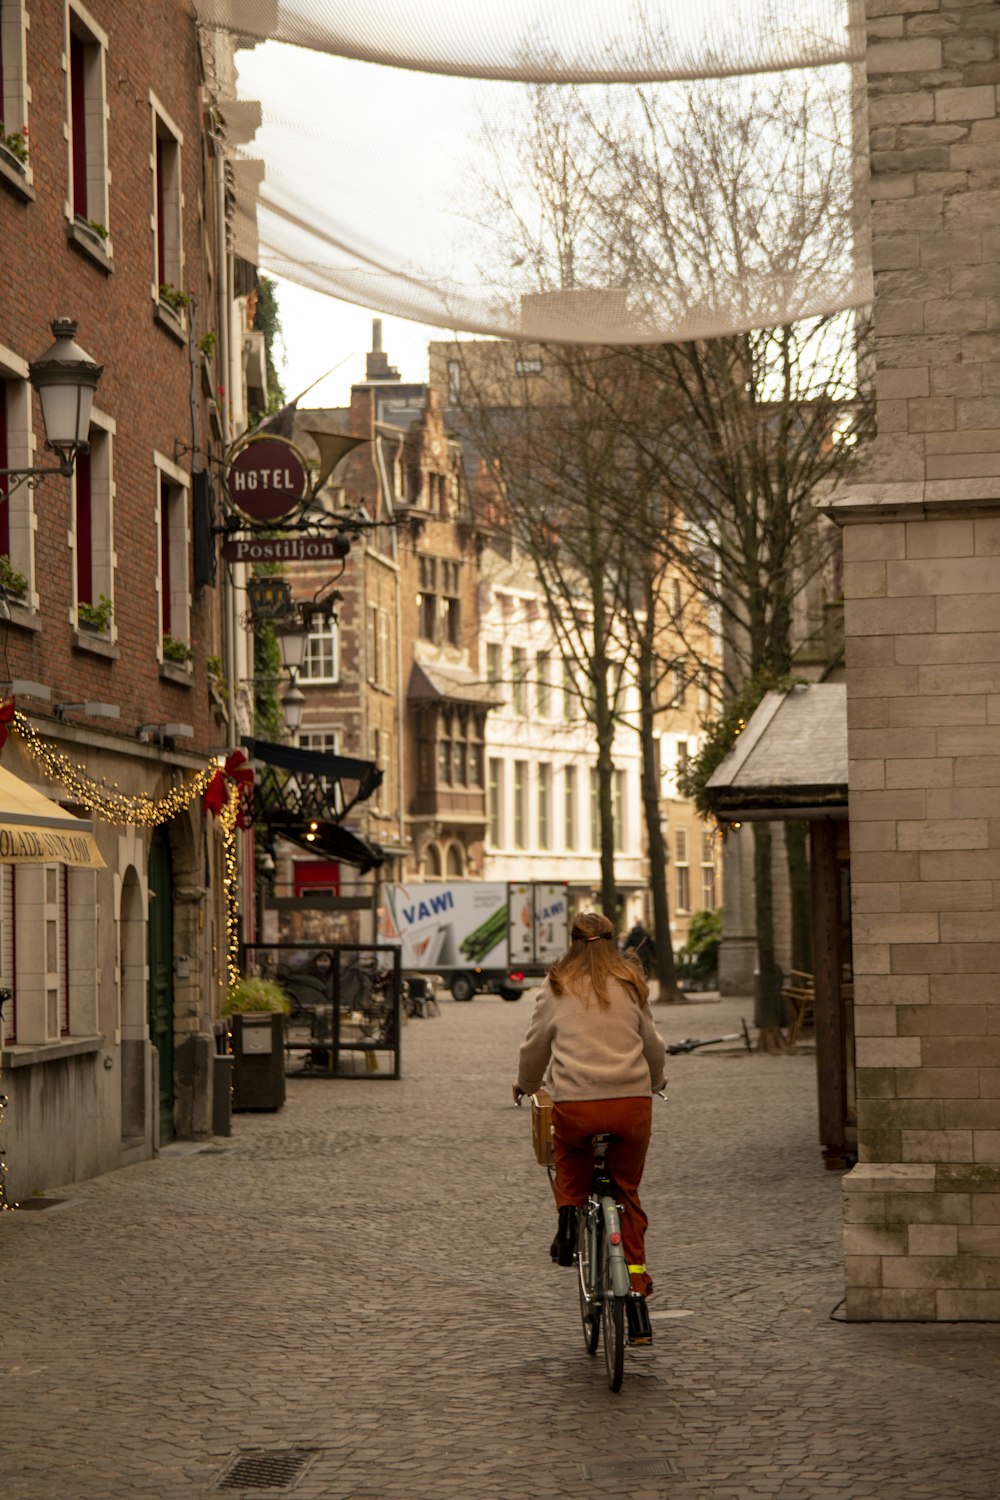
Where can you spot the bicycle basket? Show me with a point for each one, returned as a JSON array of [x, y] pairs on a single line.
[[541, 1128]]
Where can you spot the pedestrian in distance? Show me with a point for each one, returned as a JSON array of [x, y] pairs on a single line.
[[639, 943], [592, 1042]]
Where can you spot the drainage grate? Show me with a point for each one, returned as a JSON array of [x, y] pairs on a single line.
[[262, 1470], [638, 1469]]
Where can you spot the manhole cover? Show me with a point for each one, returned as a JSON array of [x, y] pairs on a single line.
[[266, 1470], [645, 1468]]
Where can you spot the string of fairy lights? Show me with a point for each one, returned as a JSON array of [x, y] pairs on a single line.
[[111, 805]]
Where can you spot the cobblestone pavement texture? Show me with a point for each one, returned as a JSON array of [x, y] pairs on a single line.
[[365, 1276]]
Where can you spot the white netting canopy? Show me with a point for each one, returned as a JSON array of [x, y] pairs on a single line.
[[562, 170]]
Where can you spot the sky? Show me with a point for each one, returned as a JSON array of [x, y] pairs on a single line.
[[321, 333]]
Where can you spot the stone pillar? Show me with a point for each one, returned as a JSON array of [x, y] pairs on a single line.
[[922, 625]]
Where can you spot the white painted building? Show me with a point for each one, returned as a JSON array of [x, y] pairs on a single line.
[[541, 756]]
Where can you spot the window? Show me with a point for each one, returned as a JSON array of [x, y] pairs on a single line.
[[455, 864], [427, 603], [494, 663], [495, 802], [569, 694], [675, 598], [707, 872], [543, 662], [321, 662], [520, 804], [451, 604], [595, 809], [13, 81], [705, 692], [678, 686], [172, 520], [167, 218], [682, 757], [527, 367], [16, 452], [377, 643], [93, 529], [88, 149], [475, 765], [683, 874], [454, 382], [518, 675], [324, 742], [618, 808], [544, 805], [425, 768], [569, 807]]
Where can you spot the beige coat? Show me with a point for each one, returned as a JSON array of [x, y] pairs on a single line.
[[590, 1053]]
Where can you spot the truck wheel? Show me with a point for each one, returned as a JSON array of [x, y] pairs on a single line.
[[462, 987], [510, 992]]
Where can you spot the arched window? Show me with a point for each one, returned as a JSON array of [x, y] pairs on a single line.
[[432, 859], [456, 864]]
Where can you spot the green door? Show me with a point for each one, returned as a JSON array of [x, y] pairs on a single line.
[[161, 980]]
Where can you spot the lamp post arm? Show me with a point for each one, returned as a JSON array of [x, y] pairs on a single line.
[[32, 476]]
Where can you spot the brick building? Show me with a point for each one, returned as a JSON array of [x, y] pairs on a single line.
[[394, 680], [112, 173]]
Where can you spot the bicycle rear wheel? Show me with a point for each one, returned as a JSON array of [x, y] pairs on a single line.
[[613, 1324], [586, 1265]]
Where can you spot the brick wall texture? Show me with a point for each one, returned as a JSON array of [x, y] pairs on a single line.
[[922, 620]]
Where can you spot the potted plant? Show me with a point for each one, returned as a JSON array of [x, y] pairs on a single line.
[[15, 143], [257, 1009], [175, 650], [172, 295], [12, 580], [95, 617]]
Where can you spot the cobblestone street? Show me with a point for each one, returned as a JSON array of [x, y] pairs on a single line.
[[365, 1276]]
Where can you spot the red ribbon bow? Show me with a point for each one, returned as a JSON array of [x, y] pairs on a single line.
[[239, 772], [7, 711]]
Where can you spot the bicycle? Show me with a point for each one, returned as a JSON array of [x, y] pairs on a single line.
[[608, 1305]]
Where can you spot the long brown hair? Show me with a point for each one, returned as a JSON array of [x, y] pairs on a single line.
[[592, 960]]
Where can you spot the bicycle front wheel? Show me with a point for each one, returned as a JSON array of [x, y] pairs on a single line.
[[613, 1325], [586, 1265]]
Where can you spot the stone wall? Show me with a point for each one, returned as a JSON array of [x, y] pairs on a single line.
[[922, 622]]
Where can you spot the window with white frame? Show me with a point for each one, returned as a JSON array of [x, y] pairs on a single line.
[[569, 807], [544, 805], [174, 548], [93, 523], [678, 681], [496, 802], [14, 92], [321, 662], [707, 872], [325, 742], [51, 926], [16, 452], [543, 687], [86, 50], [165, 161], [595, 809], [618, 808], [681, 870], [518, 679], [520, 804]]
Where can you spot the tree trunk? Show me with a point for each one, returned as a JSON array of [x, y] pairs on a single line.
[[767, 1000], [666, 971], [797, 855]]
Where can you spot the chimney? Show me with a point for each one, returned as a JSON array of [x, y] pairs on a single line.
[[377, 366]]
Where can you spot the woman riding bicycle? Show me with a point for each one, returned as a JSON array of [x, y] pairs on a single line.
[[592, 1038]]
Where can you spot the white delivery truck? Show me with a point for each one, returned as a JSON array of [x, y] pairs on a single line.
[[477, 934]]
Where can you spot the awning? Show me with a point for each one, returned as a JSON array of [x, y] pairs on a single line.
[[36, 831], [334, 841], [447, 684], [790, 761]]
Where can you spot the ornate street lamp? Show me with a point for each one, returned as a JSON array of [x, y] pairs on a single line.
[[65, 378], [293, 702]]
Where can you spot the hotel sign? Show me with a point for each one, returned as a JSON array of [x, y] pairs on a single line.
[[266, 478]]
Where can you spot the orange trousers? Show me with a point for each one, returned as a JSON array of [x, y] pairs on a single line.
[[628, 1122]]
